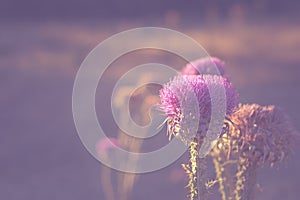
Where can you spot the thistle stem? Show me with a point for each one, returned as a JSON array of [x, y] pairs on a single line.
[[246, 180], [196, 173], [220, 177], [193, 176]]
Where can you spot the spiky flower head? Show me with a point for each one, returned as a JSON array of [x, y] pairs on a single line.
[[206, 65], [261, 134], [187, 98]]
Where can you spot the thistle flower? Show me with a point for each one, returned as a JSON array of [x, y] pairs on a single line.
[[186, 100], [179, 97], [207, 65], [257, 135], [262, 133]]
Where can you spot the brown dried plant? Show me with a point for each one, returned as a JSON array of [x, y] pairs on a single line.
[[256, 136]]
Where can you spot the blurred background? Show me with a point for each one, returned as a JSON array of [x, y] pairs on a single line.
[[42, 44]]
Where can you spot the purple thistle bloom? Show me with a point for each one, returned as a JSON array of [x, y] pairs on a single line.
[[207, 65], [178, 102]]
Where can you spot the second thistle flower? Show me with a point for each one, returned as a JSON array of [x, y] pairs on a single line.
[[187, 98]]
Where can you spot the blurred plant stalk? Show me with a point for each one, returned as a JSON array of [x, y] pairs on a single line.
[[142, 101]]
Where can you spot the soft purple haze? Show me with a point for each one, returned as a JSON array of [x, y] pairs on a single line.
[[42, 44]]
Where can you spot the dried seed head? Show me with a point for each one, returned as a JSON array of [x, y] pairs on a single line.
[[261, 133]]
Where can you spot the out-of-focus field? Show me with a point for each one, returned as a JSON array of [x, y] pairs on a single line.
[[41, 154]]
